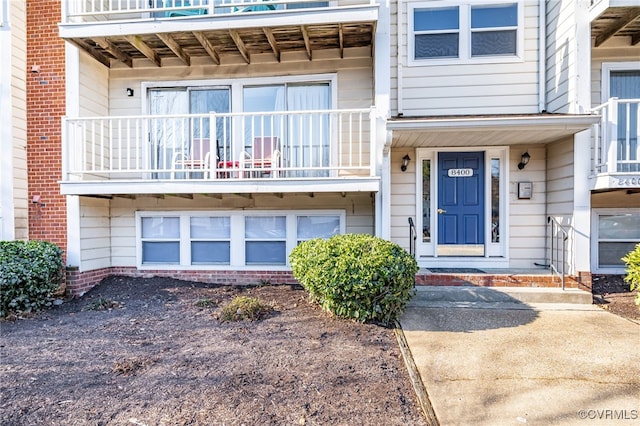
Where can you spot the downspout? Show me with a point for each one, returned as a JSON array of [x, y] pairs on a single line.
[[542, 56], [399, 61]]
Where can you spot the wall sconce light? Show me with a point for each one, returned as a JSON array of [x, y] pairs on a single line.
[[129, 91], [524, 160], [405, 162]]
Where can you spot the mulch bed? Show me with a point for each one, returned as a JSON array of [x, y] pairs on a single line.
[[612, 293], [152, 352]]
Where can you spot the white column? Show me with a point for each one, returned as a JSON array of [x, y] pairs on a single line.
[[72, 70], [382, 96], [7, 215]]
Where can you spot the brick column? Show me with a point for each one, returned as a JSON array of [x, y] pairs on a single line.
[[45, 107]]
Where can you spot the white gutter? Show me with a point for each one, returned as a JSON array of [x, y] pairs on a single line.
[[399, 61], [542, 55]]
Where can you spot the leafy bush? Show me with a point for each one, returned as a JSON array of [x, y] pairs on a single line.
[[633, 271], [356, 276], [30, 272]]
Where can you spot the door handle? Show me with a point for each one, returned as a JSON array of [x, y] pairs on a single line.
[[440, 211]]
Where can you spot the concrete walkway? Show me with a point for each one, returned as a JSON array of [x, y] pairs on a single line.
[[487, 356]]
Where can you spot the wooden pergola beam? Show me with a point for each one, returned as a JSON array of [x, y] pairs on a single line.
[[107, 45], [175, 48], [207, 46], [307, 43], [144, 48], [635, 38], [341, 38], [618, 25], [240, 45], [272, 42]]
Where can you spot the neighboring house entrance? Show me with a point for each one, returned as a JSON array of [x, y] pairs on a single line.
[[461, 202]]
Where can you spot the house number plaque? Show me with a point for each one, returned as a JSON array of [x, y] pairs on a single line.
[[460, 172]]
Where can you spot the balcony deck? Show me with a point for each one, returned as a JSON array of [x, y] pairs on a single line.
[[615, 150], [277, 152], [130, 30]]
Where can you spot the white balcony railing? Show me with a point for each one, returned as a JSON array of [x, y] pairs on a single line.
[[615, 140], [323, 144], [79, 11]]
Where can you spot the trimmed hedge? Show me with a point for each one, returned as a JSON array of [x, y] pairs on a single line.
[[356, 276], [30, 272], [633, 271]]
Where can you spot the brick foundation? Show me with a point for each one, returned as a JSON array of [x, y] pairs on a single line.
[[581, 281], [79, 283]]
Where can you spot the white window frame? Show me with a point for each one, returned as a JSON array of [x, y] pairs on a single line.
[[496, 254], [607, 67], [464, 49], [595, 238], [236, 87], [237, 243]]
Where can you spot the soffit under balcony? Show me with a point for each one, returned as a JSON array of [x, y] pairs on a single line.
[[479, 131], [615, 22], [217, 38]]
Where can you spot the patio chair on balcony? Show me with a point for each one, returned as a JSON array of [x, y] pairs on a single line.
[[182, 3], [264, 156], [257, 7], [197, 159]]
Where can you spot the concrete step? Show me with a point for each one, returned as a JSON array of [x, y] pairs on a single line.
[[473, 296]]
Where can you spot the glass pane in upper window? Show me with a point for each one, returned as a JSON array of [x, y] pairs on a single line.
[[318, 226], [211, 227], [436, 46], [624, 227], [436, 19], [493, 43], [160, 227], [265, 252], [494, 16], [268, 227]]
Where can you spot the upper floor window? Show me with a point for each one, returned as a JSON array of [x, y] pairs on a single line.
[[464, 32]]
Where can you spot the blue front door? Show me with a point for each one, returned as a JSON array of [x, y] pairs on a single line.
[[461, 222]]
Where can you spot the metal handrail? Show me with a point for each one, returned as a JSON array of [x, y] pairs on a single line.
[[413, 236], [557, 231]]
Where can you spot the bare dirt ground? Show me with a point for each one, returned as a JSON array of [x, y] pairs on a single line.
[[611, 293], [152, 352]]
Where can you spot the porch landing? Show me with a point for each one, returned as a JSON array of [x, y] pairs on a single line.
[[500, 278]]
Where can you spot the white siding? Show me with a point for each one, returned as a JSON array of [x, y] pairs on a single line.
[[568, 44], [358, 209], [95, 234], [94, 87], [403, 197], [527, 218], [560, 178], [355, 78], [13, 172], [459, 89]]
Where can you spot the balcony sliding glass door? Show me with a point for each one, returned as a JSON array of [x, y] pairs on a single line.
[[626, 85], [182, 134]]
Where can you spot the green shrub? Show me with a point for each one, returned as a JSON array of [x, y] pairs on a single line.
[[633, 271], [30, 272], [356, 276], [244, 308]]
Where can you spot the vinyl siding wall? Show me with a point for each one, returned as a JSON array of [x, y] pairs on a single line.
[[358, 209], [14, 204], [19, 118], [460, 89], [95, 220]]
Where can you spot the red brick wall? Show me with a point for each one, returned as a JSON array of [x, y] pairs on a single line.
[[45, 107]]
